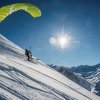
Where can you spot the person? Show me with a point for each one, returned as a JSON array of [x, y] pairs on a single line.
[[28, 53], [30, 56]]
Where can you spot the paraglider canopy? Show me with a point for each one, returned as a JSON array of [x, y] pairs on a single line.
[[9, 9]]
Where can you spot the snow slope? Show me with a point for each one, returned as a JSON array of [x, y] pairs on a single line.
[[23, 80], [73, 76], [94, 77]]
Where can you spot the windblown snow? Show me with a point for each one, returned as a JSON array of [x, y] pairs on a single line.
[[23, 80]]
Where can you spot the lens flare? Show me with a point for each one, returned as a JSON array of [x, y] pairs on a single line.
[[61, 40]]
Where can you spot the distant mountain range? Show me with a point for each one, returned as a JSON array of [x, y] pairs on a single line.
[[84, 75], [91, 74], [73, 76]]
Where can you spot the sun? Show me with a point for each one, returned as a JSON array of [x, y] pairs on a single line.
[[64, 40], [61, 40]]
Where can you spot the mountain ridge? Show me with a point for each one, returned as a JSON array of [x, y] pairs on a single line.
[[73, 76], [91, 74]]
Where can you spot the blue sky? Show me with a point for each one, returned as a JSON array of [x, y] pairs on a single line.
[[80, 19]]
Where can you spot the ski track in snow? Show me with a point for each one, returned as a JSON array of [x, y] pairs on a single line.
[[54, 93], [23, 80], [14, 76], [54, 79]]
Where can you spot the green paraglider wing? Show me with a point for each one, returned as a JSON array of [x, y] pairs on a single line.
[[9, 9]]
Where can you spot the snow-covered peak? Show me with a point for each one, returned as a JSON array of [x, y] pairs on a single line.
[[3, 38], [91, 74], [7, 42], [72, 75]]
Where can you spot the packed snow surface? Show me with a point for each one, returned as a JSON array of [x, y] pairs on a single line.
[[23, 80]]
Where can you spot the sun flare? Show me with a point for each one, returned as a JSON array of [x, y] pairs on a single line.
[[61, 40]]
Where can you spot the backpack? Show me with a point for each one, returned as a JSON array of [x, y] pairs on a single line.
[[26, 52]]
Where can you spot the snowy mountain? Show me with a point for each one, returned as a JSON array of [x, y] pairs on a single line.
[[73, 76], [23, 80], [91, 74]]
